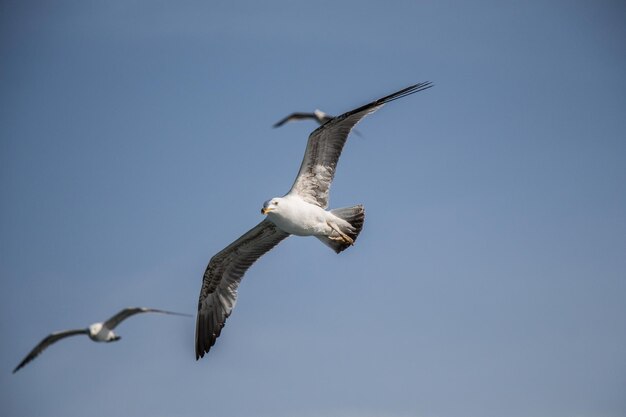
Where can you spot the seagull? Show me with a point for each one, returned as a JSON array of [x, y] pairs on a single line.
[[302, 212], [98, 332], [317, 115]]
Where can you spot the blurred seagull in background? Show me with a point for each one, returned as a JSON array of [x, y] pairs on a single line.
[[98, 332], [317, 115], [302, 212]]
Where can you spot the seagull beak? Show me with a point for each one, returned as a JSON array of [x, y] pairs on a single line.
[[266, 210]]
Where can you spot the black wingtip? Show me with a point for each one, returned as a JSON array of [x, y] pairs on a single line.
[[202, 348], [281, 121], [20, 366], [415, 88], [173, 313]]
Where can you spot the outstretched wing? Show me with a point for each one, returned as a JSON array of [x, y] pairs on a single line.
[[47, 341], [218, 294], [325, 145], [295, 116], [131, 311]]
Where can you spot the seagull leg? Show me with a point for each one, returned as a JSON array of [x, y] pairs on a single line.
[[342, 236]]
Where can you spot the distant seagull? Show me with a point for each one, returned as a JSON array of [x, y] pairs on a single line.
[[302, 211], [317, 115], [98, 332]]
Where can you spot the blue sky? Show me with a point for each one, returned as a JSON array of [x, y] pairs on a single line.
[[489, 279]]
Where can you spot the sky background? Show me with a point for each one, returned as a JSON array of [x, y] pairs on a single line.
[[489, 279]]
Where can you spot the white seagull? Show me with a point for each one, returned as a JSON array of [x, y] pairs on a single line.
[[317, 115], [302, 212], [98, 332]]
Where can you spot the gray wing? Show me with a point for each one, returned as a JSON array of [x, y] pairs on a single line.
[[295, 116], [131, 311], [218, 294], [47, 341], [325, 145]]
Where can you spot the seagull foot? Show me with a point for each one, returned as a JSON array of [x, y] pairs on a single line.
[[344, 238]]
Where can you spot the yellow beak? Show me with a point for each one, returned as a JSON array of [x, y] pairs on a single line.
[[266, 210]]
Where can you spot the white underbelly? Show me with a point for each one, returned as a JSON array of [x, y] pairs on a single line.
[[102, 336], [309, 222]]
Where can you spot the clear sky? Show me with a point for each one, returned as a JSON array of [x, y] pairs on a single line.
[[489, 279]]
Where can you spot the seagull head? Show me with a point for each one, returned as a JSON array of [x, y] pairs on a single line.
[[94, 329], [321, 116], [271, 205]]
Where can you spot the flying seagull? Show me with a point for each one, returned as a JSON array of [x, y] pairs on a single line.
[[302, 211], [98, 332], [317, 115]]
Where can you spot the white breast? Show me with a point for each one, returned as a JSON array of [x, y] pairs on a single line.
[[300, 218], [99, 333]]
